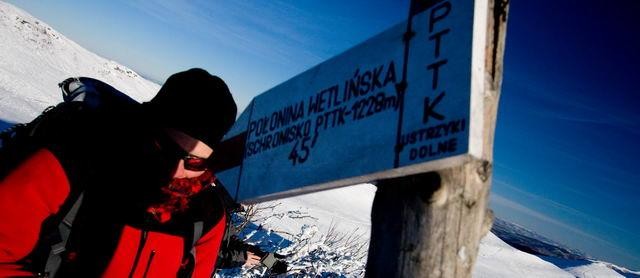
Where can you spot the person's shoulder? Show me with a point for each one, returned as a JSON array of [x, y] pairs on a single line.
[[43, 162], [226, 200]]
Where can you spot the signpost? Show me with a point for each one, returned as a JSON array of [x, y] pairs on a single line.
[[395, 105], [420, 97]]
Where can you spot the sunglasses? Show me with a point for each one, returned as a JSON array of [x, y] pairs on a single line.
[[172, 150], [194, 163]]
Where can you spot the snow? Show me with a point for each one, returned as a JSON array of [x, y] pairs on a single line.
[[498, 259], [585, 268], [323, 234], [336, 207], [350, 208], [34, 58]]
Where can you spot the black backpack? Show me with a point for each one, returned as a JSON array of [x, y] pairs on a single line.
[[57, 124]]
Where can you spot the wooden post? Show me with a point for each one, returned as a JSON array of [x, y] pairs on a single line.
[[430, 225]]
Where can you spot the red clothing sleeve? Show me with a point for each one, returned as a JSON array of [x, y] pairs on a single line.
[[32, 192], [207, 249]]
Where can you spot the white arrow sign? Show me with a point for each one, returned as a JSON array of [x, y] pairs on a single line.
[[400, 103]]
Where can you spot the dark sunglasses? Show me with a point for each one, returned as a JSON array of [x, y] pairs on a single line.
[[172, 150], [194, 163]]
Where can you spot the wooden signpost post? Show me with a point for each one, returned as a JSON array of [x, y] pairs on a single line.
[[413, 110]]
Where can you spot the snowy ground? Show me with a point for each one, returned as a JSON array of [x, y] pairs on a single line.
[[325, 234], [347, 211]]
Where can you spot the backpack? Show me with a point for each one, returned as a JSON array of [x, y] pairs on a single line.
[[53, 126]]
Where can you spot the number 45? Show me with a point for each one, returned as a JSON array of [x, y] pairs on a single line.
[[303, 154]]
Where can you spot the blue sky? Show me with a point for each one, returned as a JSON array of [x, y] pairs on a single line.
[[568, 128]]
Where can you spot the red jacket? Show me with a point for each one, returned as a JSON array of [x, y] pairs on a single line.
[[36, 191]]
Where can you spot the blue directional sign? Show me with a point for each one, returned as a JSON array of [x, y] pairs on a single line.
[[391, 106]]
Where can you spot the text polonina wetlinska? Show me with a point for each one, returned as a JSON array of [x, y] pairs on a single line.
[[365, 94]]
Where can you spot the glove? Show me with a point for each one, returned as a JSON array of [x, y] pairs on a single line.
[[279, 267], [274, 263]]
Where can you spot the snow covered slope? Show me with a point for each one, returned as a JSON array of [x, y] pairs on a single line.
[[498, 259], [346, 211], [349, 208], [587, 268], [34, 58], [572, 261]]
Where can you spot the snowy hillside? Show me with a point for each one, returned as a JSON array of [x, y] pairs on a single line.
[[34, 58], [323, 234], [572, 261], [349, 208]]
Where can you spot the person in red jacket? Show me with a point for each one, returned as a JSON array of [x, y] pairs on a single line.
[[149, 202]]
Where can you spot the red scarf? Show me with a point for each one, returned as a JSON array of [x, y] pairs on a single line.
[[177, 195]]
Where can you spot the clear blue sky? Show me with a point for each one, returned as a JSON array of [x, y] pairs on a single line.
[[566, 154]]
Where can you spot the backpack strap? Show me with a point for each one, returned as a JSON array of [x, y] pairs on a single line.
[[189, 249], [58, 247], [198, 228]]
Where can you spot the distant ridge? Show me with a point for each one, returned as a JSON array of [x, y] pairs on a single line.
[[571, 260], [532, 243]]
